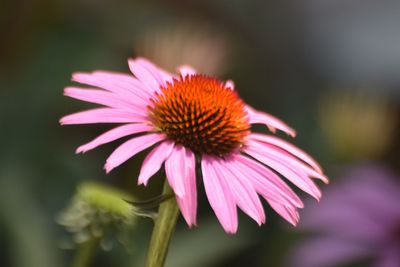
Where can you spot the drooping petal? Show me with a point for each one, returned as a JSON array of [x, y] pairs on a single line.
[[297, 177], [186, 70], [121, 84], [288, 147], [281, 155], [147, 73], [289, 213], [188, 203], [258, 117], [176, 170], [266, 182], [131, 148], [153, 161], [103, 115], [242, 190], [219, 196], [115, 134]]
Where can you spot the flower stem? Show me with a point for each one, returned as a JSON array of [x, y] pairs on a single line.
[[163, 229], [86, 252]]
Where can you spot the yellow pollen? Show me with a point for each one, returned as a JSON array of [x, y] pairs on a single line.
[[202, 114]]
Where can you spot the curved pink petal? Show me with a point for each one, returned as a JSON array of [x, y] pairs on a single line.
[[219, 196], [262, 185], [166, 76], [230, 84], [103, 98], [289, 213], [243, 191], [147, 73], [153, 161], [188, 203], [186, 70], [176, 170], [115, 134], [125, 81], [266, 182], [156, 71], [297, 177], [258, 117], [103, 115], [128, 88], [287, 147], [281, 155], [131, 148]]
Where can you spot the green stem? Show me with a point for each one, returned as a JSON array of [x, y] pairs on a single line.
[[163, 229], [86, 252]]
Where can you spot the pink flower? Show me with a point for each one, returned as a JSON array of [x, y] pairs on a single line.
[[358, 221], [192, 116]]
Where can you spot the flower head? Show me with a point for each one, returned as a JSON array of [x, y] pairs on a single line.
[[358, 219], [191, 115], [98, 211]]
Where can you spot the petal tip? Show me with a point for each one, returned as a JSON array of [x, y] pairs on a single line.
[[142, 180], [80, 150], [62, 121], [107, 167]]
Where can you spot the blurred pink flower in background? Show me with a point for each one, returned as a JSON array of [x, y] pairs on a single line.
[[191, 116], [358, 219]]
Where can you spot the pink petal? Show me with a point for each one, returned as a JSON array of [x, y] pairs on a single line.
[[298, 178], [103, 98], [115, 134], [153, 161], [258, 117], [289, 213], [103, 115], [131, 148], [230, 84], [176, 170], [188, 203], [125, 86], [242, 190], [147, 73], [281, 155], [289, 148], [156, 71], [266, 182], [219, 196], [186, 70], [125, 81], [166, 76]]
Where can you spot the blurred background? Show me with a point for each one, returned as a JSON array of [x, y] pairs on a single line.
[[330, 69]]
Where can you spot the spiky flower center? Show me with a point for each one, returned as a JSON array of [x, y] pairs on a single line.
[[202, 114]]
